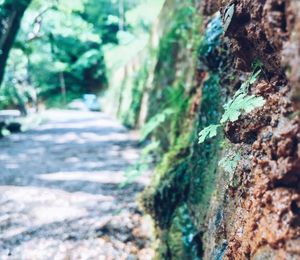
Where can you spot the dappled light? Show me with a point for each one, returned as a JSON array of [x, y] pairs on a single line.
[[70, 171], [66, 172]]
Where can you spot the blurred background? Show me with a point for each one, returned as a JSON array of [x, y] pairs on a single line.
[[149, 129], [65, 49], [65, 165]]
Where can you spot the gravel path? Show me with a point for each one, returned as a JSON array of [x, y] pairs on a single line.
[[60, 195]]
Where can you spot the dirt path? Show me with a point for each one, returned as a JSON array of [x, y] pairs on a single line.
[[60, 195]]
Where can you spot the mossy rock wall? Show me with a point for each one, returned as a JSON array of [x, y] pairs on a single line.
[[205, 203]]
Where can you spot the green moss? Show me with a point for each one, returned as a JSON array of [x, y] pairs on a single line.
[[204, 158], [181, 38], [169, 186], [182, 239], [184, 181], [138, 84], [164, 201], [174, 113]]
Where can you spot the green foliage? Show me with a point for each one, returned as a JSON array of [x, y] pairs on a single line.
[[119, 55], [54, 40], [138, 84], [183, 30], [141, 17], [208, 132], [108, 19], [240, 104], [177, 99], [67, 38], [155, 122], [180, 37], [141, 166], [170, 121], [133, 173]]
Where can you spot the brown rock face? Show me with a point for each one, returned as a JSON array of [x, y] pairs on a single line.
[[257, 30], [252, 209], [267, 217], [291, 55], [210, 7]]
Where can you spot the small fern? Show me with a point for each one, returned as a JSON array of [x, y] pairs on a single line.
[[240, 103], [208, 132]]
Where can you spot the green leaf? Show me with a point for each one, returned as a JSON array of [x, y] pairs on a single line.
[[254, 77], [155, 122], [245, 86], [208, 132], [243, 103]]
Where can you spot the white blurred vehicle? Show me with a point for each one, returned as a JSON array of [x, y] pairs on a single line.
[[91, 102], [88, 102]]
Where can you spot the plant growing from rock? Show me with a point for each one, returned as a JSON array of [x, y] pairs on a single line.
[[241, 103]]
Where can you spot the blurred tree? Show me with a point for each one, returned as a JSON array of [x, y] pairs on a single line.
[[11, 13], [58, 54], [63, 55]]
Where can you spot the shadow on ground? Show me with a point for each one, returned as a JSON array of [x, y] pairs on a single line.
[[60, 195]]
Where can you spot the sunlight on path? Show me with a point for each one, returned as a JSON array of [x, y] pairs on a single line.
[[60, 195]]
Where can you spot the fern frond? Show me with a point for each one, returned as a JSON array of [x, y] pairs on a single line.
[[239, 104], [208, 132], [242, 103]]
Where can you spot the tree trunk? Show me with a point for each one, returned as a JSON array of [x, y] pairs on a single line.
[[11, 13], [122, 15], [63, 87]]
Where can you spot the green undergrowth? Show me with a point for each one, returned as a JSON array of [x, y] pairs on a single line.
[[186, 174], [169, 184], [131, 115], [167, 124], [179, 196], [181, 39], [143, 165], [241, 103], [205, 157]]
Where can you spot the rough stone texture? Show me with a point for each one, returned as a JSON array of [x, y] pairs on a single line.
[[257, 30], [266, 219], [291, 55], [210, 7]]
